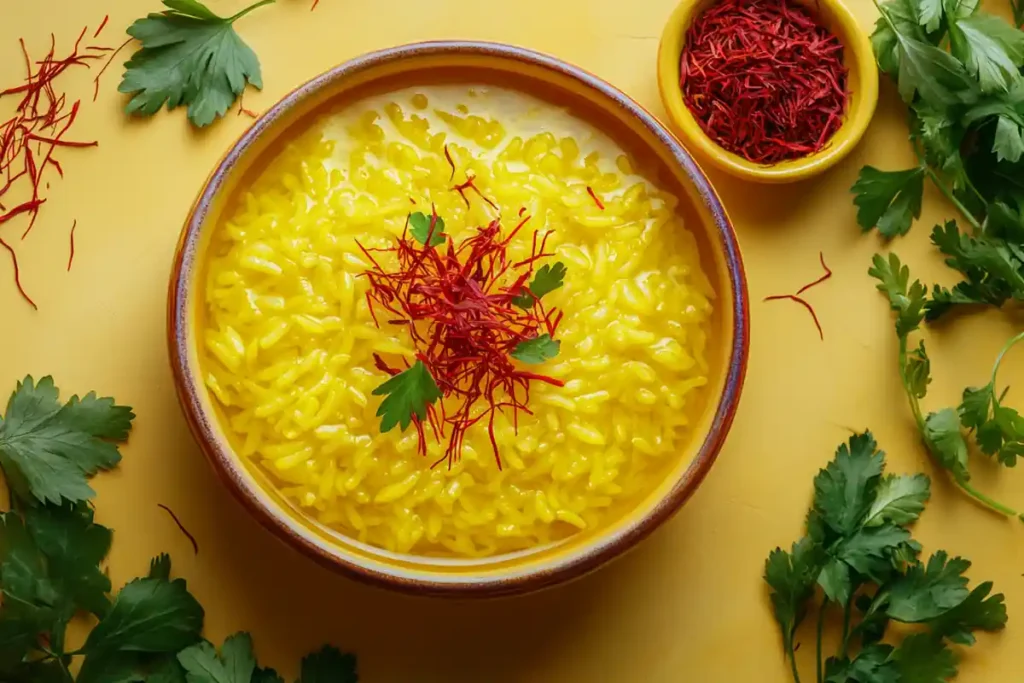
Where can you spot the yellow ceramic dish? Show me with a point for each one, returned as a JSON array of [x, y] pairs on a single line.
[[654, 149], [863, 84]]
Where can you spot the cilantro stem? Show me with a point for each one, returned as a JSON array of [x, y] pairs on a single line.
[[846, 626], [948, 193], [248, 9], [915, 407], [819, 668], [995, 368], [792, 664]]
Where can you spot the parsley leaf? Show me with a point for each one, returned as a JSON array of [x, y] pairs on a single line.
[[1009, 141], [992, 50], [791, 577], [407, 394], [235, 664], [923, 658], [148, 615], [888, 200], [424, 226], [328, 665], [978, 612], [929, 591], [47, 450], [907, 300], [548, 279], [918, 371], [942, 432], [844, 490], [537, 350], [899, 500], [189, 56]]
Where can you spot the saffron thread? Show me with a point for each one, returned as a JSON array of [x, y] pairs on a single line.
[[593, 195], [181, 527], [17, 274], [71, 256]]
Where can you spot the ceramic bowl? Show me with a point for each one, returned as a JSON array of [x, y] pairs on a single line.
[[604, 106], [862, 83]]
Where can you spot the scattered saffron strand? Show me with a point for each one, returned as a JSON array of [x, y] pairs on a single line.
[[181, 527], [71, 256], [106, 65], [827, 275], [103, 24], [448, 156], [803, 302], [315, 3], [17, 274], [593, 195]]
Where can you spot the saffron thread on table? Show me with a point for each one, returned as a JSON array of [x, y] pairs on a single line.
[[181, 527], [17, 274], [103, 25], [106, 65], [803, 302], [71, 255]]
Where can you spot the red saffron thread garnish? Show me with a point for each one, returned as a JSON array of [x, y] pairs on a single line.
[[457, 303], [17, 274], [448, 156], [470, 184], [242, 110], [103, 25], [181, 527], [827, 275], [593, 195], [803, 302], [763, 79], [315, 3], [106, 65], [71, 256]]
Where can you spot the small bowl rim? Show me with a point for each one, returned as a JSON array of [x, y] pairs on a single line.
[[602, 547], [865, 101]]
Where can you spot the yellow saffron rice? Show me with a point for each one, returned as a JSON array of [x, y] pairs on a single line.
[[288, 337]]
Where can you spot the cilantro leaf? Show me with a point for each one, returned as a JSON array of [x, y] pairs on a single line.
[[148, 615], [189, 56], [992, 50], [942, 432], [918, 371], [47, 450], [872, 665], [835, 580], [1009, 140], [974, 407], [407, 394], [929, 14], [74, 547], [420, 224], [235, 664], [791, 577], [899, 500], [548, 279], [907, 300], [160, 567], [888, 200], [902, 16], [871, 551], [928, 591], [28, 594], [979, 612], [537, 350], [328, 665], [845, 489], [991, 270], [923, 658]]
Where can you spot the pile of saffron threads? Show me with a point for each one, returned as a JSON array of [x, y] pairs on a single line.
[[30, 138], [464, 325], [764, 80]]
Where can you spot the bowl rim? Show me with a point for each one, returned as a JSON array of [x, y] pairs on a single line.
[[864, 100], [588, 556]]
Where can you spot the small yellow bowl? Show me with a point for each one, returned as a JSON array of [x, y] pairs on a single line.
[[862, 83]]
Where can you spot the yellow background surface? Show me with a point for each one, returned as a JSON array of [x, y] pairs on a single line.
[[689, 603]]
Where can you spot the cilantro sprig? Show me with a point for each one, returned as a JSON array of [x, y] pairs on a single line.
[[189, 56], [547, 279], [858, 559], [999, 430], [959, 71], [407, 395], [52, 553]]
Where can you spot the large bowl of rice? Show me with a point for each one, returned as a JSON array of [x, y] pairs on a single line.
[[279, 357]]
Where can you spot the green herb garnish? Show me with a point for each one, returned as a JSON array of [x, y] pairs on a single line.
[[189, 56], [536, 350], [859, 552], [420, 227], [547, 279], [407, 394]]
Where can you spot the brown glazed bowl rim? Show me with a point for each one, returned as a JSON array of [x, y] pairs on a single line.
[[599, 549]]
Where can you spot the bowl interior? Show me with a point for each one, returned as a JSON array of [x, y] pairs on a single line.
[[862, 84], [661, 159]]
